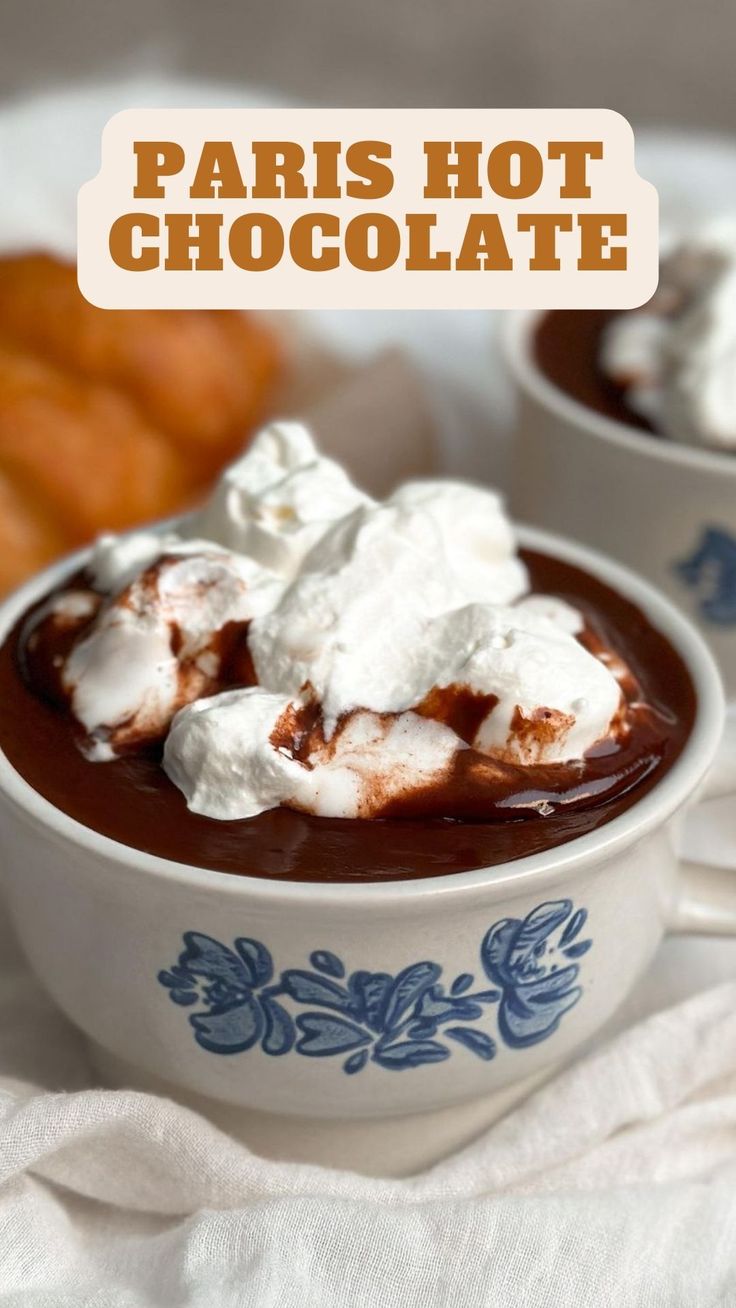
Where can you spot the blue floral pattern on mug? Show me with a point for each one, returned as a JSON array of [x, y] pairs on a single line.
[[528, 960], [396, 1021], [710, 571], [232, 984]]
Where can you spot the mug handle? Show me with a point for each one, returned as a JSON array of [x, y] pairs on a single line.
[[707, 901]]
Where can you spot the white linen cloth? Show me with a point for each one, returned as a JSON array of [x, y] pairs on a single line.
[[614, 1184]]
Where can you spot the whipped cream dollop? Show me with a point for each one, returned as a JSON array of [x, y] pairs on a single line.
[[234, 756], [300, 644], [276, 502], [160, 643], [676, 357]]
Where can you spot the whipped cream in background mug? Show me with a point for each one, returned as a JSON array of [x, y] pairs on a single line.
[[675, 358]]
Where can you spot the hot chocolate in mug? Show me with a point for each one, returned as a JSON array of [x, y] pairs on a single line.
[[666, 509], [334, 1008]]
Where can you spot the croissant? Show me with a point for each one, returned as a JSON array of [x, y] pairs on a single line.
[[112, 417]]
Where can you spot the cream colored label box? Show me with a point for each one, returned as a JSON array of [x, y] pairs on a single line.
[[367, 208]]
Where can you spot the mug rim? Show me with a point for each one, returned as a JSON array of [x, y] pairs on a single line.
[[652, 810], [517, 337]]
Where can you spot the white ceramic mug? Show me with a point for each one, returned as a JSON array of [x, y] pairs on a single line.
[[668, 510], [360, 1001]]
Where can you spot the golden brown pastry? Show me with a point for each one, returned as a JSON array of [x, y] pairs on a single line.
[[28, 539], [112, 417], [82, 451]]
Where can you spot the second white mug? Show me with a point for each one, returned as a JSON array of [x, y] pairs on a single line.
[[665, 509]]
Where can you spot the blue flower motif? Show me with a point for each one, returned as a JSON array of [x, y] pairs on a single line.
[[711, 572], [396, 1021], [391, 1020], [529, 960], [240, 1010]]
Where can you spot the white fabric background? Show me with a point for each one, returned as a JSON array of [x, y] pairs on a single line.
[[615, 1184]]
